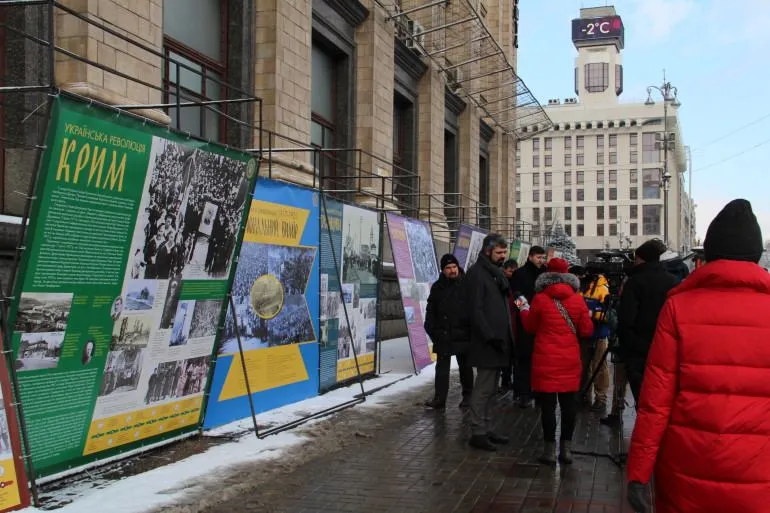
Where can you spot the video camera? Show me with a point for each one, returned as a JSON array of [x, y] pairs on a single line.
[[614, 265]]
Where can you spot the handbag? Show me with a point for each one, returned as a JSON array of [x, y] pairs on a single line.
[[565, 315]]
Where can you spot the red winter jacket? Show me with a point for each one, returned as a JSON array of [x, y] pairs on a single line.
[[704, 413], [556, 364]]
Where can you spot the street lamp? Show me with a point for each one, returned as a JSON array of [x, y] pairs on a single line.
[[670, 95]]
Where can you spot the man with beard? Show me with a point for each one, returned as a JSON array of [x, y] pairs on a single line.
[[491, 336], [523, 284]]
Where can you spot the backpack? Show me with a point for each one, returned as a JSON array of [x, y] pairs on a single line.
[[595, 296]]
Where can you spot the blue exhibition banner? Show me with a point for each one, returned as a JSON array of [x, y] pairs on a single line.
[[275, 291]]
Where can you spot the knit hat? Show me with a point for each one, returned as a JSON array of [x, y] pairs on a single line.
[[510, 263], [557, 265], [734, 234], [651, 250], [449, 259]]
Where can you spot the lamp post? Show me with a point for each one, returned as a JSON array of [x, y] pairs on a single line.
[[669, 94]]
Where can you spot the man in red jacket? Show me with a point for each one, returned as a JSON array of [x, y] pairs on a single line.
[[703, 423]]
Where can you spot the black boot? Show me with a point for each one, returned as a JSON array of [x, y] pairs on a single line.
[[435, 404], [466, 402], [497, 439], [482, 442]]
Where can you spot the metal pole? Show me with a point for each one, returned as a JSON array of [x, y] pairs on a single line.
[[665, 165], [689, 199]]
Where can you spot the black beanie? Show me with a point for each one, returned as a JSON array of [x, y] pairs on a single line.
[[448, 259], [651, 250], [734, 234]]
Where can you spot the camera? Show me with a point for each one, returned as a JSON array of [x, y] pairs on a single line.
[[614, 265]]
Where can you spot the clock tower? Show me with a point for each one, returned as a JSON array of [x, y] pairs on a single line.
[[598, 36]]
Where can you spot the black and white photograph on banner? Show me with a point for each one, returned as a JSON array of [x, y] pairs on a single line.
[[122, 371], [172, 380], [88, 352], [343, 342], [369, 308], [347, 292], [140, 294], [171, 303], [475, 246], [410, 315], [330, 304], [39, 351], [356, 294], [43, 312], [360, 248], [189, 215], [182, 321], [423, 255], [6, 451], [205, 318], [269, 296], [131, 331]]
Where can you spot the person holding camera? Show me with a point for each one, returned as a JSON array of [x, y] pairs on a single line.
[[558, 318], [644, 294], [703, 422]]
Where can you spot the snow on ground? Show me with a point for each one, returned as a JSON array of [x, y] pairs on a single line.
[[170, 483]]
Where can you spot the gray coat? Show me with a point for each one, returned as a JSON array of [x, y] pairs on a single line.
[[491, 334]]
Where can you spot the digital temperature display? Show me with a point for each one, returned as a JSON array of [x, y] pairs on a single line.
[[598, 29]]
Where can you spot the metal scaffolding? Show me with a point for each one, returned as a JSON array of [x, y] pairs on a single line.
[[454, 36]]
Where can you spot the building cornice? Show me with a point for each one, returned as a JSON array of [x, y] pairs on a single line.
[[486, 131], [352, 11], [454, 103], [409, 61]]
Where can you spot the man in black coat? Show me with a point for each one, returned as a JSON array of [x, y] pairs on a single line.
[[523, 283], [644, 294], [447, 324], [491, 336]]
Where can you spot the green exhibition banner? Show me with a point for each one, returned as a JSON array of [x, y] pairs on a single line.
[[122, 284]]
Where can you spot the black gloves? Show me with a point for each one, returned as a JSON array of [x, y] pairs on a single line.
[[497, 344], [638, 498]]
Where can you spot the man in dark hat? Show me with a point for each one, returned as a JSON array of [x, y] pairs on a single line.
[[447, 323], [491, 336], [644, 294]]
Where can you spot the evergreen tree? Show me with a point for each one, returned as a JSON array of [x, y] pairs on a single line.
[[562, 242]]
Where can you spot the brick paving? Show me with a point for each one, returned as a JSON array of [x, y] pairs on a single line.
[[420, 462]]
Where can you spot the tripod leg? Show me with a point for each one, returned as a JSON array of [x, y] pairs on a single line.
[[597, 370]]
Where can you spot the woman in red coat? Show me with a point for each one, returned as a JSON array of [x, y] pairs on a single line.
[[703, 422], [558, 317]]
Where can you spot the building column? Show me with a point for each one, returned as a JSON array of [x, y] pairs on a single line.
[[430, 141], [469, 163]]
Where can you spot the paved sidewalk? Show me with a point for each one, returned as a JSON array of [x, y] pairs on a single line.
[[419, 462]]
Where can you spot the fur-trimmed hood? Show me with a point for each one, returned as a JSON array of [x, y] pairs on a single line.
[[546, 280]]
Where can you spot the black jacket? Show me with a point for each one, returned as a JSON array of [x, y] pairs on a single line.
[[491, 334], [644, 294], [447, 319], [523, 282]]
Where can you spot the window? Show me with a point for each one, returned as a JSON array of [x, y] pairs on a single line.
[[548, 179], [536, 179], [568, 142], [536, 214], [580, 160], [618, 79], [613, 176], [650, 152], [599, 212], [633, 229], [518, 213], [451, 173], [633, 157], [548, 143], [613, 230], [567, 159], [579, 142], [580, 195], [580, 230], [651, 184], [600, 142], [633, 193], [568, 213], [600, 177], [651, 220], [568, 178], [404, 154], [518, 160], [600, 230], [518, 145], [196, 42], [518, 196], [548, 160], [613, 194], [484, 212], [580, 177], [580, 213], [597, 76], [599, 159], [632, 140], [535, 160], [567, 194], [548, 214], [568, 229], [536, 196], [633, 176], [536, 144], [548, 195], [613, 158], [324, 70], [613, 141], [613, 212], [633, 211], [600, 194]]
